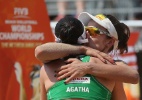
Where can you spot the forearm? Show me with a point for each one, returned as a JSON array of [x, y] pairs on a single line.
[[52, 51], [114, 72]]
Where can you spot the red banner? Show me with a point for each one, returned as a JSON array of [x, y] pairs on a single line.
[[24, 24]]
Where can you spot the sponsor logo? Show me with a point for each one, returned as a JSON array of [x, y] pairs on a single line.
[[81, 80], [100, 16]]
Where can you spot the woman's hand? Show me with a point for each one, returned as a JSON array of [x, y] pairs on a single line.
[[101, 55], [75, 68]]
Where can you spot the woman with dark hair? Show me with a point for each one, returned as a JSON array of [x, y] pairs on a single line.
[[84, 86]]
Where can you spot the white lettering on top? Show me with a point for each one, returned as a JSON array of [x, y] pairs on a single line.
[[77, 89]]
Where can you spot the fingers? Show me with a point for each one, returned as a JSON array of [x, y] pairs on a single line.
[[106, 57], [63, 76], [103, 57], [70, 60], [100, 57], [70, 78], [61, 72]]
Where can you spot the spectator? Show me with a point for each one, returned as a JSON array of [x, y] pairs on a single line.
[[62, 5]]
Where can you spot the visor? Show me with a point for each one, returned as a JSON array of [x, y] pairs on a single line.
[[103, 21], [83, 38]]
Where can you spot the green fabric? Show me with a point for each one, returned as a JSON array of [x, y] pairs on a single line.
[[87, 88]]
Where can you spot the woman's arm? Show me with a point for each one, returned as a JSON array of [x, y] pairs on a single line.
[[118, 92], [42, 85], [51, 51], [122, 73], [119, 72]]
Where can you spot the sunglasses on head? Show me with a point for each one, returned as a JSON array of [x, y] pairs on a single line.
[[95, 31]]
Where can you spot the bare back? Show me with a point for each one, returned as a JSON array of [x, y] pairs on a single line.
[[49, 75], [50, 78]]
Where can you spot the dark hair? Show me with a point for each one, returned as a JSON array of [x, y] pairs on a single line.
[[69, 29], [123, 34]]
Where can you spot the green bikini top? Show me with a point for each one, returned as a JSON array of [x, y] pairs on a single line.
[[86, 88]]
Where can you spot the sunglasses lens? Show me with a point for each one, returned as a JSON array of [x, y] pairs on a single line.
[[92, 30]]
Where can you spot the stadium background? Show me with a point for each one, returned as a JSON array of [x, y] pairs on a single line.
[[129, 12]]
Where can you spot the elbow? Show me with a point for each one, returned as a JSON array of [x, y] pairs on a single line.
[[135, 78], [38, 52]]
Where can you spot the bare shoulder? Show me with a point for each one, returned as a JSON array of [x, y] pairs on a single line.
[[43, 72], [42, 69]]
